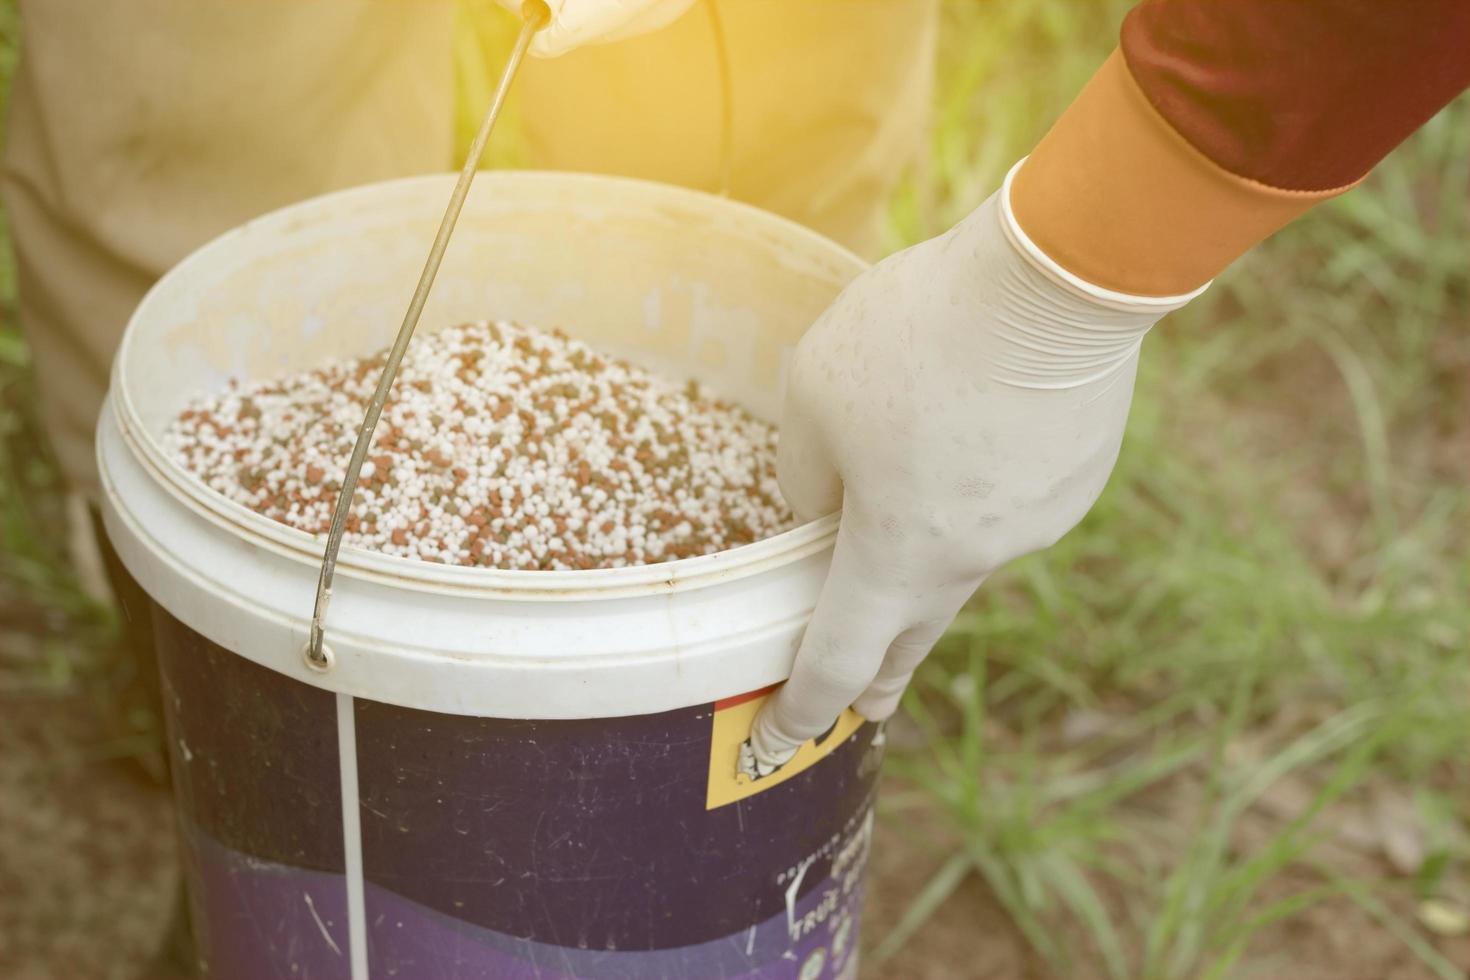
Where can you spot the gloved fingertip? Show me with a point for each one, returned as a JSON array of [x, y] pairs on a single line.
[[752, 766], [769, 745]]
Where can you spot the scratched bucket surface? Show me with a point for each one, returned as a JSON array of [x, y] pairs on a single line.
[[503, 774]]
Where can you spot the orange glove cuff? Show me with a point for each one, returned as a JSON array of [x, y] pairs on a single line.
[[1117, 197]]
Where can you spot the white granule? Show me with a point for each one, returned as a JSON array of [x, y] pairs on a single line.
[[500, 446]]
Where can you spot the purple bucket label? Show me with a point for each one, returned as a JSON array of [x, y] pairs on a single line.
[[621, 848]]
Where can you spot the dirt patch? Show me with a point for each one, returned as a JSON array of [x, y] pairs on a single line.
[[969, 936], [87, 861]]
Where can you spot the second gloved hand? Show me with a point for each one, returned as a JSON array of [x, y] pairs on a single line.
[[963, 403], [578, 22]]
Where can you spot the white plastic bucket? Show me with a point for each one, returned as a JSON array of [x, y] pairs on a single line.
[[538, 766]]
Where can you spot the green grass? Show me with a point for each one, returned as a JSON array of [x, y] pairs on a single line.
[[1269, 595]]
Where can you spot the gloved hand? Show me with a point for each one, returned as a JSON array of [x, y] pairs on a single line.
[[963, 403], [578, 22]]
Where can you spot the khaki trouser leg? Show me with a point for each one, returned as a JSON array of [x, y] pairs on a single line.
[[140, 130], [830, 99]]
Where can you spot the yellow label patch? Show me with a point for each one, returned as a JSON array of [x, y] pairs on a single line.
[[732, 721]]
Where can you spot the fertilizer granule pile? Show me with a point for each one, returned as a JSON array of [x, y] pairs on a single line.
[[500, 446]]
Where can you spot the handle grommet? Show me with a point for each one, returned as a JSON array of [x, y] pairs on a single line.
[[319, 661]]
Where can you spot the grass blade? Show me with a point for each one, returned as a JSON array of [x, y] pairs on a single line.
[[934, 893]]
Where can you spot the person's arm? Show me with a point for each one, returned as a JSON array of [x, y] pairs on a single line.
[[1216, 122], [963, 402]]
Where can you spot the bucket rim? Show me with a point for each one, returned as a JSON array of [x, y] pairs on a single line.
[[360, 563]]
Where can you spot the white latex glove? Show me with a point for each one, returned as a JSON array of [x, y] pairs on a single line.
[[963, 403], [578, 22]]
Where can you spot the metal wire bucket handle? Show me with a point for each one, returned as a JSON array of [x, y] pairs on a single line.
[[535, 15]]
